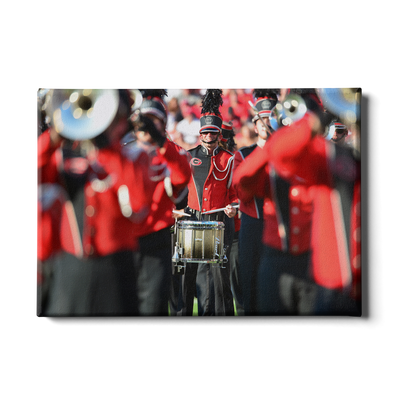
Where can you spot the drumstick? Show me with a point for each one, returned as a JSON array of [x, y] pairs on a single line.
[[181, 213], [219, 209]]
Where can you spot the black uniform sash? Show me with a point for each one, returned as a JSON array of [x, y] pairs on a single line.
[[201, 161]]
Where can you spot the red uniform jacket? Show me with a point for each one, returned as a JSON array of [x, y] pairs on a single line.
[[210, 185], [117, 193], [333, 173], [287, 206], [251, 206], [170, 176]]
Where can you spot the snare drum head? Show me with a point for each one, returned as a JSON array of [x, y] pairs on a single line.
[[202, 225], [201, 241]]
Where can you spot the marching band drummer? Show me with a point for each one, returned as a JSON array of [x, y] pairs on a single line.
[[91, 198], [170, 175], [210, 188]]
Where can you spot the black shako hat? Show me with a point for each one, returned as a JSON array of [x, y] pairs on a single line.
[[211, 120], [227, 130], [266, 100], [153, 103]]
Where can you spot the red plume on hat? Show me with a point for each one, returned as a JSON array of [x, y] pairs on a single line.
[[211, 120]]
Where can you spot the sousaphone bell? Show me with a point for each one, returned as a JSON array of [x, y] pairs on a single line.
[[291, 109], [342, 102], [81, 114]]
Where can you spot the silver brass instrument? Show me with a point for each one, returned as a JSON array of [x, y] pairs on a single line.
[[344, 103], [40, 92], [81, 114], [137, 98], [290, 109]]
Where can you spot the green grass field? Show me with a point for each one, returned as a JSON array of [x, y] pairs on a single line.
[[195, 309]]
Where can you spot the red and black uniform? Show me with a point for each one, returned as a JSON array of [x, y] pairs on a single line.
[[209, 189], [250, 235], [170, 174], [103, 179], [287, 209], [92, 203], [212, 173], [333, 174], [249, 205]]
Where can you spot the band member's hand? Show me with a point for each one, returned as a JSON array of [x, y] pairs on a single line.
[[179, 214], [141, 123], [230, 211]]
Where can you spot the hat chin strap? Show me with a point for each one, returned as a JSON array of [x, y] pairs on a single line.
[[212, 141], [338, 139]]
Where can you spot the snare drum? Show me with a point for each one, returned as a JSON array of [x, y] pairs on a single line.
[[200, 242]]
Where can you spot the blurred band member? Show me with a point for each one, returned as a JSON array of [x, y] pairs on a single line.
[[91, 199], [250, 243], [227, 142], [333, 173], [283, 285], [170, 174], [338, 133]]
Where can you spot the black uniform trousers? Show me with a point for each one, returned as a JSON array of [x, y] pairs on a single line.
[[98, 286], [234, 265], [284, 287], [283, 284], [250, 252], [154, 264], [211, 285], [94, 286]]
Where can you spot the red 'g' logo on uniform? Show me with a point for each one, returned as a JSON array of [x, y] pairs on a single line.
[[195, 162]]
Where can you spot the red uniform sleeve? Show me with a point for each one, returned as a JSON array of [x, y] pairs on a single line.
[[233, 197], [136, 179], [237, 161], [294, 152], [249, 176], [177, 161], [47, 166]]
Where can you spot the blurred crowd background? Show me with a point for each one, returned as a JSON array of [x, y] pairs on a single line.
[[184, 107]]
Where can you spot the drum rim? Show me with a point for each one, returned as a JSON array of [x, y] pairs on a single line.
[[203, 260], [201, 224]]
